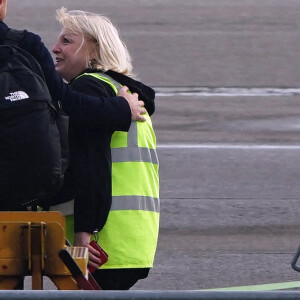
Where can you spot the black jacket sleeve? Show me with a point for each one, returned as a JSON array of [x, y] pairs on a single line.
[[92, 111]]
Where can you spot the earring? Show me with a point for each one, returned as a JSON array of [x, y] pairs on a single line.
[[90, 65]]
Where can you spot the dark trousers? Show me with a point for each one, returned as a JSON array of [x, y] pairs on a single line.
[[119, 279]]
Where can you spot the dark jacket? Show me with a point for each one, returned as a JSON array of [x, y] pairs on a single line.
[[88, 178]]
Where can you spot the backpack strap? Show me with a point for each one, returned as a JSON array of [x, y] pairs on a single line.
[[13, 36]]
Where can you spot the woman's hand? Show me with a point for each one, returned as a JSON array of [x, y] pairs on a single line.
[[136, 105], [82, 239]]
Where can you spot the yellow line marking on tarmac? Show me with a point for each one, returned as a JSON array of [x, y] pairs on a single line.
[[261, 287]]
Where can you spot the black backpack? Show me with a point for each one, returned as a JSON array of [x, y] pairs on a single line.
[[33, 131]]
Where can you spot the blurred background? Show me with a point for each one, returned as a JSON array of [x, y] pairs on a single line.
[[226, 73]]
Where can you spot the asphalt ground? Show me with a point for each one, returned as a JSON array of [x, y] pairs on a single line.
[[230, 200], [228, 164]]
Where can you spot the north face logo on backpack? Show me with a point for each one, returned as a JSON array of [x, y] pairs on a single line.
[[15, 96]]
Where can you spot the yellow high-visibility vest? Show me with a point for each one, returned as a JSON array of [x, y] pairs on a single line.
[[130, 233]]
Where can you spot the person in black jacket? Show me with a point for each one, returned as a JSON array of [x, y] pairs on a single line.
[[89, 45]]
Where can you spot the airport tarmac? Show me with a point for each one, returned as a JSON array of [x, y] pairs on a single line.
[[230, 200], [229, 164]]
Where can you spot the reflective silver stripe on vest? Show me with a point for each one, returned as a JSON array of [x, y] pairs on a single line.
[[135, 203], [114, 82], [132, 135], [135, 153], [138, 154]]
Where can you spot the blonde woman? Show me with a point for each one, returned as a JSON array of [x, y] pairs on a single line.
[[113, 176]]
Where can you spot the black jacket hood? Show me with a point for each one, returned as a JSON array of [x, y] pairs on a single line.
[[145, 93]]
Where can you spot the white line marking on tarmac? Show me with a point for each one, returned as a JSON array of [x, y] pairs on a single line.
[[224, 92], [229, 146], [261, 287]]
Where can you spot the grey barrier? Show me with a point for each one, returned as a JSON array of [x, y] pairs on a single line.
[[149, 295]]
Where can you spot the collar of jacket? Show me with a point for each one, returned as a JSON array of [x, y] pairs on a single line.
[[145, 92]]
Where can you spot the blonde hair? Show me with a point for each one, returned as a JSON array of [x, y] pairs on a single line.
[[102, 39]]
